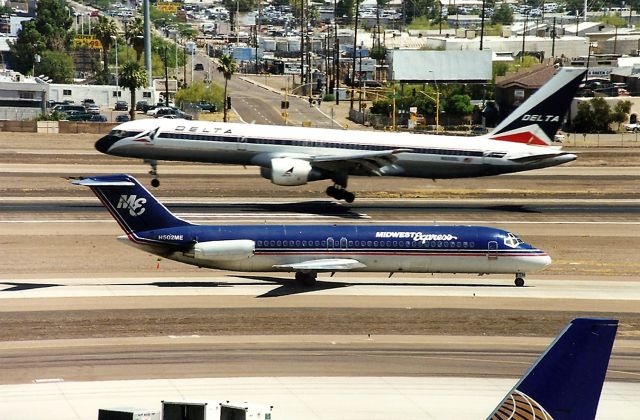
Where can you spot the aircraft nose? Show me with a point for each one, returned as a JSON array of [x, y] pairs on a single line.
[[104, 144], [543, 261]]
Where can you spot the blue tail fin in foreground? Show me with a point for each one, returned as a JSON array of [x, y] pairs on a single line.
[[134, 208], [566, 381]]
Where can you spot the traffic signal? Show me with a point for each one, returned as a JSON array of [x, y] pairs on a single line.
[[228, 102], [284, 105]]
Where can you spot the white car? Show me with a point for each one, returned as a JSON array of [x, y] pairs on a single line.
[[93, 109], [632, 127], [559, 138]]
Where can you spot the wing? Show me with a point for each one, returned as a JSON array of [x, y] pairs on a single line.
[[367, 163], [332, 264]]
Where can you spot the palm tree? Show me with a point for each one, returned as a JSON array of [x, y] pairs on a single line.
[[133, 76], [227, 67], [134, 34], [106, 31]]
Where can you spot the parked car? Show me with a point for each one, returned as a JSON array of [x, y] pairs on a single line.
[[121, 106], [558, 138], [98, 118], [93, 109], [198, 67], [207, 106], [142, 106], [122, 118], [171, 113], [634, 127], [78, 116]]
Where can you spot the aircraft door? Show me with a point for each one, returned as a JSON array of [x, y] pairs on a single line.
[[330, 244], [343, 243], [492, 250]]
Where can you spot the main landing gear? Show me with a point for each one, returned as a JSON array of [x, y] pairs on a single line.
[[340, 193], [155, 182], [519, 279], [306, 279]]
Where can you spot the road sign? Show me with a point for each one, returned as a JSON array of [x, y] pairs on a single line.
[[88, 41]]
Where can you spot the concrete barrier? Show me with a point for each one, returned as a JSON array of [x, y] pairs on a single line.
[[79, 127], [19, 126]]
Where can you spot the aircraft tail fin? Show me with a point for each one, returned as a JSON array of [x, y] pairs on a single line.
[[566, 380], [133, 206], [538, 119]]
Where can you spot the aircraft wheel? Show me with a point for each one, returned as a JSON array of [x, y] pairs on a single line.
[[332, 192], [306, 279], [155, 182], [349, 197], [519, 282]]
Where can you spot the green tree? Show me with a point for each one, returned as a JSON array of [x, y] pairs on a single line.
[[502, 15], [199, 91], [28, 43], [134, 34], [56, 65], [53, 21], [458, 105], [620, 112], [106, 31], [132, 76], [596, 116], [614, 20], [227, 67]]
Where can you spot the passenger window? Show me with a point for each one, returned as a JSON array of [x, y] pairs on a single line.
[[459, 244], [324, 243], [350, 244], [375, 243], [259, 243], [446, 244], [317, 243], [273, 243], [465, 244], [433, 244], [368, 243], [472, 244], [279, 243], [297, 243], [439, 244], [395, 244]]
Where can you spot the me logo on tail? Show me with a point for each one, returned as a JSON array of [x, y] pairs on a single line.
[[133, 203]]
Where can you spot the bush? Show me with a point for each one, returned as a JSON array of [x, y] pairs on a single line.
[[328, 97]]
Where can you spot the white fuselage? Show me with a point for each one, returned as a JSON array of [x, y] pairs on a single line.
[[417, 155]]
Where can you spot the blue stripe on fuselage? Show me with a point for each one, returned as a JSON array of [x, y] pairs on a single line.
[[464, 240]]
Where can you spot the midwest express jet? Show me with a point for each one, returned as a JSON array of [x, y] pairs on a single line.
[[311, 249], [296, 155]]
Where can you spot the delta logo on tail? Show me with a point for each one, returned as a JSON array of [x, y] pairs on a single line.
[[539, 118]]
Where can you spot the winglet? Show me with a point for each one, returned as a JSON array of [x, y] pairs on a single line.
[[566, 381]]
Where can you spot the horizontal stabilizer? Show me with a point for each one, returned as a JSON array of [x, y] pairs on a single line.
[[93, 182], [536, 158], [333, 264]]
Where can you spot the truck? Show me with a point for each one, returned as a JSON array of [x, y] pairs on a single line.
[[212, 410], [128, 414]]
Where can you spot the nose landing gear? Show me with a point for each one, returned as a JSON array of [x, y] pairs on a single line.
[[155, 182], [519, 279]]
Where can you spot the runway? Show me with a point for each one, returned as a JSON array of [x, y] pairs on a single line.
[[79, 308]]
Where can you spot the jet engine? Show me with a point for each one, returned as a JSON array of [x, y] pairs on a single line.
[[236, 249], [290, 171]]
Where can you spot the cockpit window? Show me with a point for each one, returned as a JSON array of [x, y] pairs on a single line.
[[512, 240], [121, 134]]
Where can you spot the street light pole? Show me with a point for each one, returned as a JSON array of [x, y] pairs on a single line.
[[115, 38]]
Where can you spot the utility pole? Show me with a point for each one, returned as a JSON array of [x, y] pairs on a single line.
[[336, 53], [355, 45], [147, 42], [303, 32], [166, 78], [481, 25]]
